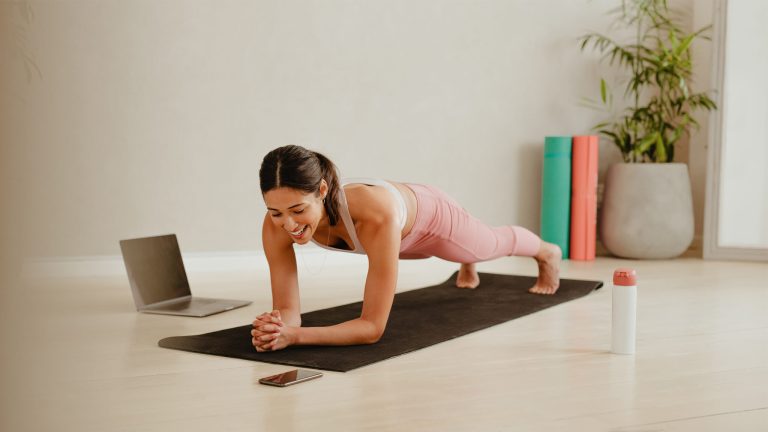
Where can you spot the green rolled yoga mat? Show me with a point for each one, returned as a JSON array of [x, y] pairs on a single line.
[[556, 192]]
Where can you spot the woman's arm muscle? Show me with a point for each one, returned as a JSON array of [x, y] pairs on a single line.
[[379, 232], [382, 244], [281, 258]]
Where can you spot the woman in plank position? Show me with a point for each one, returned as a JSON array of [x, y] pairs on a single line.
[[387, 221]]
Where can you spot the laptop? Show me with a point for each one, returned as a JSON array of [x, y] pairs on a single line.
[[159, 281]]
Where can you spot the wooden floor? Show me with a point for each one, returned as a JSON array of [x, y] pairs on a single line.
[[77, 357]]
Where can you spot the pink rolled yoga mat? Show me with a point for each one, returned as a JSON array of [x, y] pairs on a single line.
[[584, 197]]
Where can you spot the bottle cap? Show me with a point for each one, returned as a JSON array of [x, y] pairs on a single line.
[[625, 277]]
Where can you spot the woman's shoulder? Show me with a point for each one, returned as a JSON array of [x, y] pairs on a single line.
[[273, 236], [370, 203]]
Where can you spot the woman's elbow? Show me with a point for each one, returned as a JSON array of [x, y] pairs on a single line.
[[377, 336], [373, 338], [373, 334]]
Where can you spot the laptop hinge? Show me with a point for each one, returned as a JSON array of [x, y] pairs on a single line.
[[167, 302]]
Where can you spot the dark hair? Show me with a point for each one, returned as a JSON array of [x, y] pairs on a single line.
[[295, 167]]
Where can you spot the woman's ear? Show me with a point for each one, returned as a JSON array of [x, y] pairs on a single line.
[[323, 189]]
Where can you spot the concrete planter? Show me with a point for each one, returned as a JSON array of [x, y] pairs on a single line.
[[647, 210]]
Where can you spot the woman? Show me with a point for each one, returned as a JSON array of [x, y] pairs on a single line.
[[384, 220]]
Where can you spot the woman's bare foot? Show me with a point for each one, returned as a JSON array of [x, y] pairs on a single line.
[[548, 259], [468, 277]]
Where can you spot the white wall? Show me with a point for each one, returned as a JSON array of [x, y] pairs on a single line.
[[152, 117]]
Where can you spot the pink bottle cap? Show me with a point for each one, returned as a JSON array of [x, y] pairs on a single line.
[[625, 277]]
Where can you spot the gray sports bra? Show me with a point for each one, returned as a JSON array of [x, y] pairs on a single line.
[[344, 210]]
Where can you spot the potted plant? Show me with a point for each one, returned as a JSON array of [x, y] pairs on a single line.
[[647, 209]]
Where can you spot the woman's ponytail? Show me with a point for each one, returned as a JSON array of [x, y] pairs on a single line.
[[332, 200]]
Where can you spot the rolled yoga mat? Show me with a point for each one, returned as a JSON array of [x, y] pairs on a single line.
[[584, 197], [556, 192], [419, 318]]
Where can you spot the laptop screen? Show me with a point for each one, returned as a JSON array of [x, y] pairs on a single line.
[[155, 269]]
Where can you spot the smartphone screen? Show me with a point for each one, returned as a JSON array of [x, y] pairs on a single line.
[[290, 377]]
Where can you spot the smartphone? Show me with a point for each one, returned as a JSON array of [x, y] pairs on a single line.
[[291, 377]]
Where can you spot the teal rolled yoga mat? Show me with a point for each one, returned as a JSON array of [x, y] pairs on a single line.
[[556, 192]]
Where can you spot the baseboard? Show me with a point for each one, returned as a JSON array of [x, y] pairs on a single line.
[[309, 258]]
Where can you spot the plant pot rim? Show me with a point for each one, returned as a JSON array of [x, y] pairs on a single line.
[[649, 164]]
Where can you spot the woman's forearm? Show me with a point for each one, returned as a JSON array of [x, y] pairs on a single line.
[[353, 332], [290, 317]]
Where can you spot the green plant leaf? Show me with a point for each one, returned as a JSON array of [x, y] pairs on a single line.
[[600, 125], [661, 151], [603, 90], [683, 46], [644, 144]]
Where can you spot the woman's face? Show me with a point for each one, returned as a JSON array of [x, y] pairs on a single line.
[[296, 212]]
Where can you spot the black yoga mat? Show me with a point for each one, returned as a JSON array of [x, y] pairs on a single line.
[[419, 318]]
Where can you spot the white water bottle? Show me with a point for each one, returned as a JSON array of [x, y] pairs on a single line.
[[624, 311]]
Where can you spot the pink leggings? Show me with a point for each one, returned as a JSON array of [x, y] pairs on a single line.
[[445, 230]]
